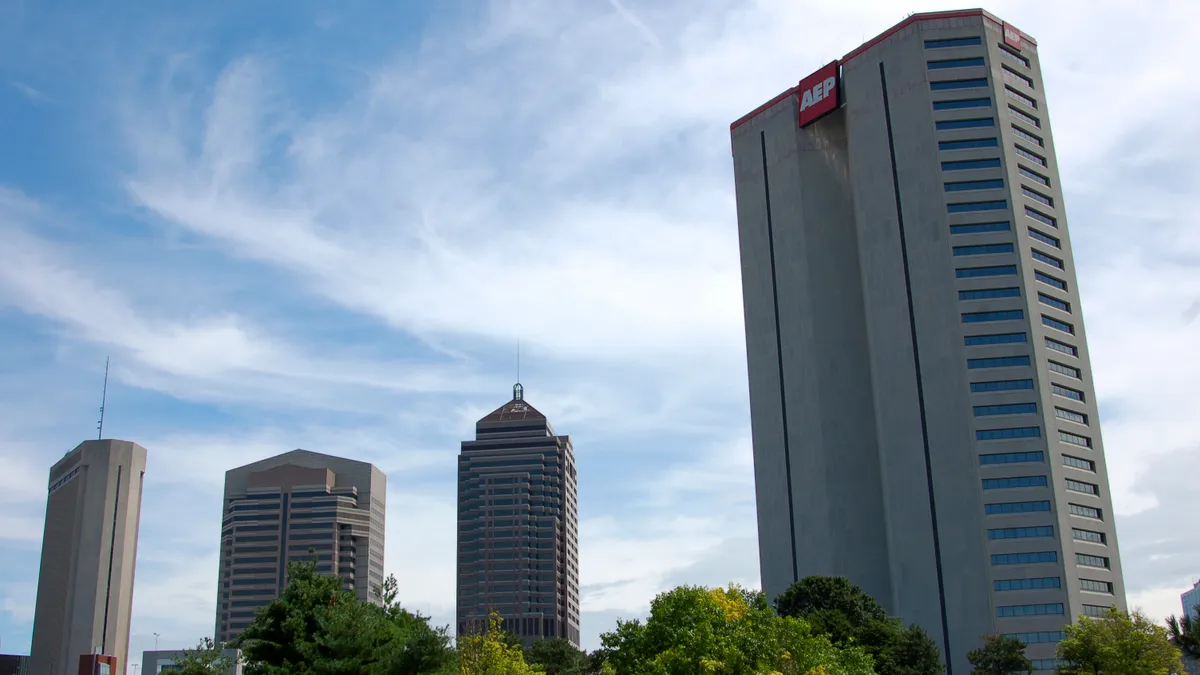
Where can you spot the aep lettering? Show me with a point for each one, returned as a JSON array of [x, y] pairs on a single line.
[[818, 94]]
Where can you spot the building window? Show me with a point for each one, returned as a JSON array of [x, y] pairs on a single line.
[[1044, 238], [1033, 176], [989, 293], [1095, 586], [971, 207], [1040, 637], [1045, 664], [1081, 487], [1070, 416], [990, 271], [1011, 458], [972, 83], [974, 123], [1025, 558], [963, 104], [1067, 392], [1058, 325], [1095, 610], [1005, 315], [995, 338], [952, 42], [1029, 610], [1014, 77], [1019, 97], [1008, 409], [1045, 258], [1079, 463], [1014, 482], [1086, 511], [1008, 508], [1061, 347], [1034, 213], [983, 249], [1063, 369], [955, 63], [1001, 385], [966, 164], [1054, 302], [1091, 560], [1021, 533], [977, 228], [1024, 116], [1089, 536], [998, 362], [961, 186], [1026, 136], [1030, 155], [1075, 439]]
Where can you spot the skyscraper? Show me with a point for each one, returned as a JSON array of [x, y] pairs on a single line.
[[290, 507], [923, 413], [518, 520], [1191, 601], [89, 548]]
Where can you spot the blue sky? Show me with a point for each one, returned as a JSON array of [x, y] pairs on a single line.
[[327, 225]]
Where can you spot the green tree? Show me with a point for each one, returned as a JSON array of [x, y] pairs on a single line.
[[1000, 655], [1185, 633], [723, 632], [205, 659], [1118, 643], [847, 615], [557, 656], [488, 653], [316, 627]]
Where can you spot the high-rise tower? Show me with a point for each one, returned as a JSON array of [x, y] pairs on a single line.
[[291, 507], [89, 549], [922, 405], [518, 543]]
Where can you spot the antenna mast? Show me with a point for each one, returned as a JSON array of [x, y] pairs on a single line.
[[103, 399], [518, 360]]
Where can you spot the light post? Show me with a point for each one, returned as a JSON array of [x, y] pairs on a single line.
[[156, 636]]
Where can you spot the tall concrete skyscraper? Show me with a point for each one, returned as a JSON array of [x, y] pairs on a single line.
[[518, 523], [277, 509], [89, 548], [922, 405]]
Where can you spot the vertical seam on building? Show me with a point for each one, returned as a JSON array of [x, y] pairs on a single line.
[[112, 547], [787, 451], [912, 326]]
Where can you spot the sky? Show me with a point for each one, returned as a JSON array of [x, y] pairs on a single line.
[[327, 225]]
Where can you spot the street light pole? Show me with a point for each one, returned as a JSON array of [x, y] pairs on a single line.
[[156, 636]]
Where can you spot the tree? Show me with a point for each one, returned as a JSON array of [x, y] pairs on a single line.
[[847, 615], [488, 653], [723, 632], [1117, 643], [206, 659], [1185, 633], [317, 628], [1000, 655], [558, 656]]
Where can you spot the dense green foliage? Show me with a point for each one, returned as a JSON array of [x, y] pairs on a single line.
[[316, 628], [1000, 655], [835, 607], [490, 653], [205, 659], [1118, 643], [726, 632], [1185, 633], [557, 656]]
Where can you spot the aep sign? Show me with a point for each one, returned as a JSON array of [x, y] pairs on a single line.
[[1012, 37], [819, 94]]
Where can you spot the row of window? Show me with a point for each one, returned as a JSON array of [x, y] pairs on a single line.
[[1026, 584], [1029, 610]]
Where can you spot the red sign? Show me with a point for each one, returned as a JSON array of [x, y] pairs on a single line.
[[1012, 36], [819, 94]]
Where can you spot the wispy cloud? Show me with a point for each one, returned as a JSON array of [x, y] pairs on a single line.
[[27, 91]]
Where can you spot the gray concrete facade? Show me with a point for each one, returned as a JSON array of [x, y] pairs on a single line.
[[89, 550], [518, 525], [289, 508], [922, 408]]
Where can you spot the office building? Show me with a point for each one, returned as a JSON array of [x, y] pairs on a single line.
[[166, 660], [294, 507], [923, 414], [89, 548], [518, 523], [1191, 601]]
